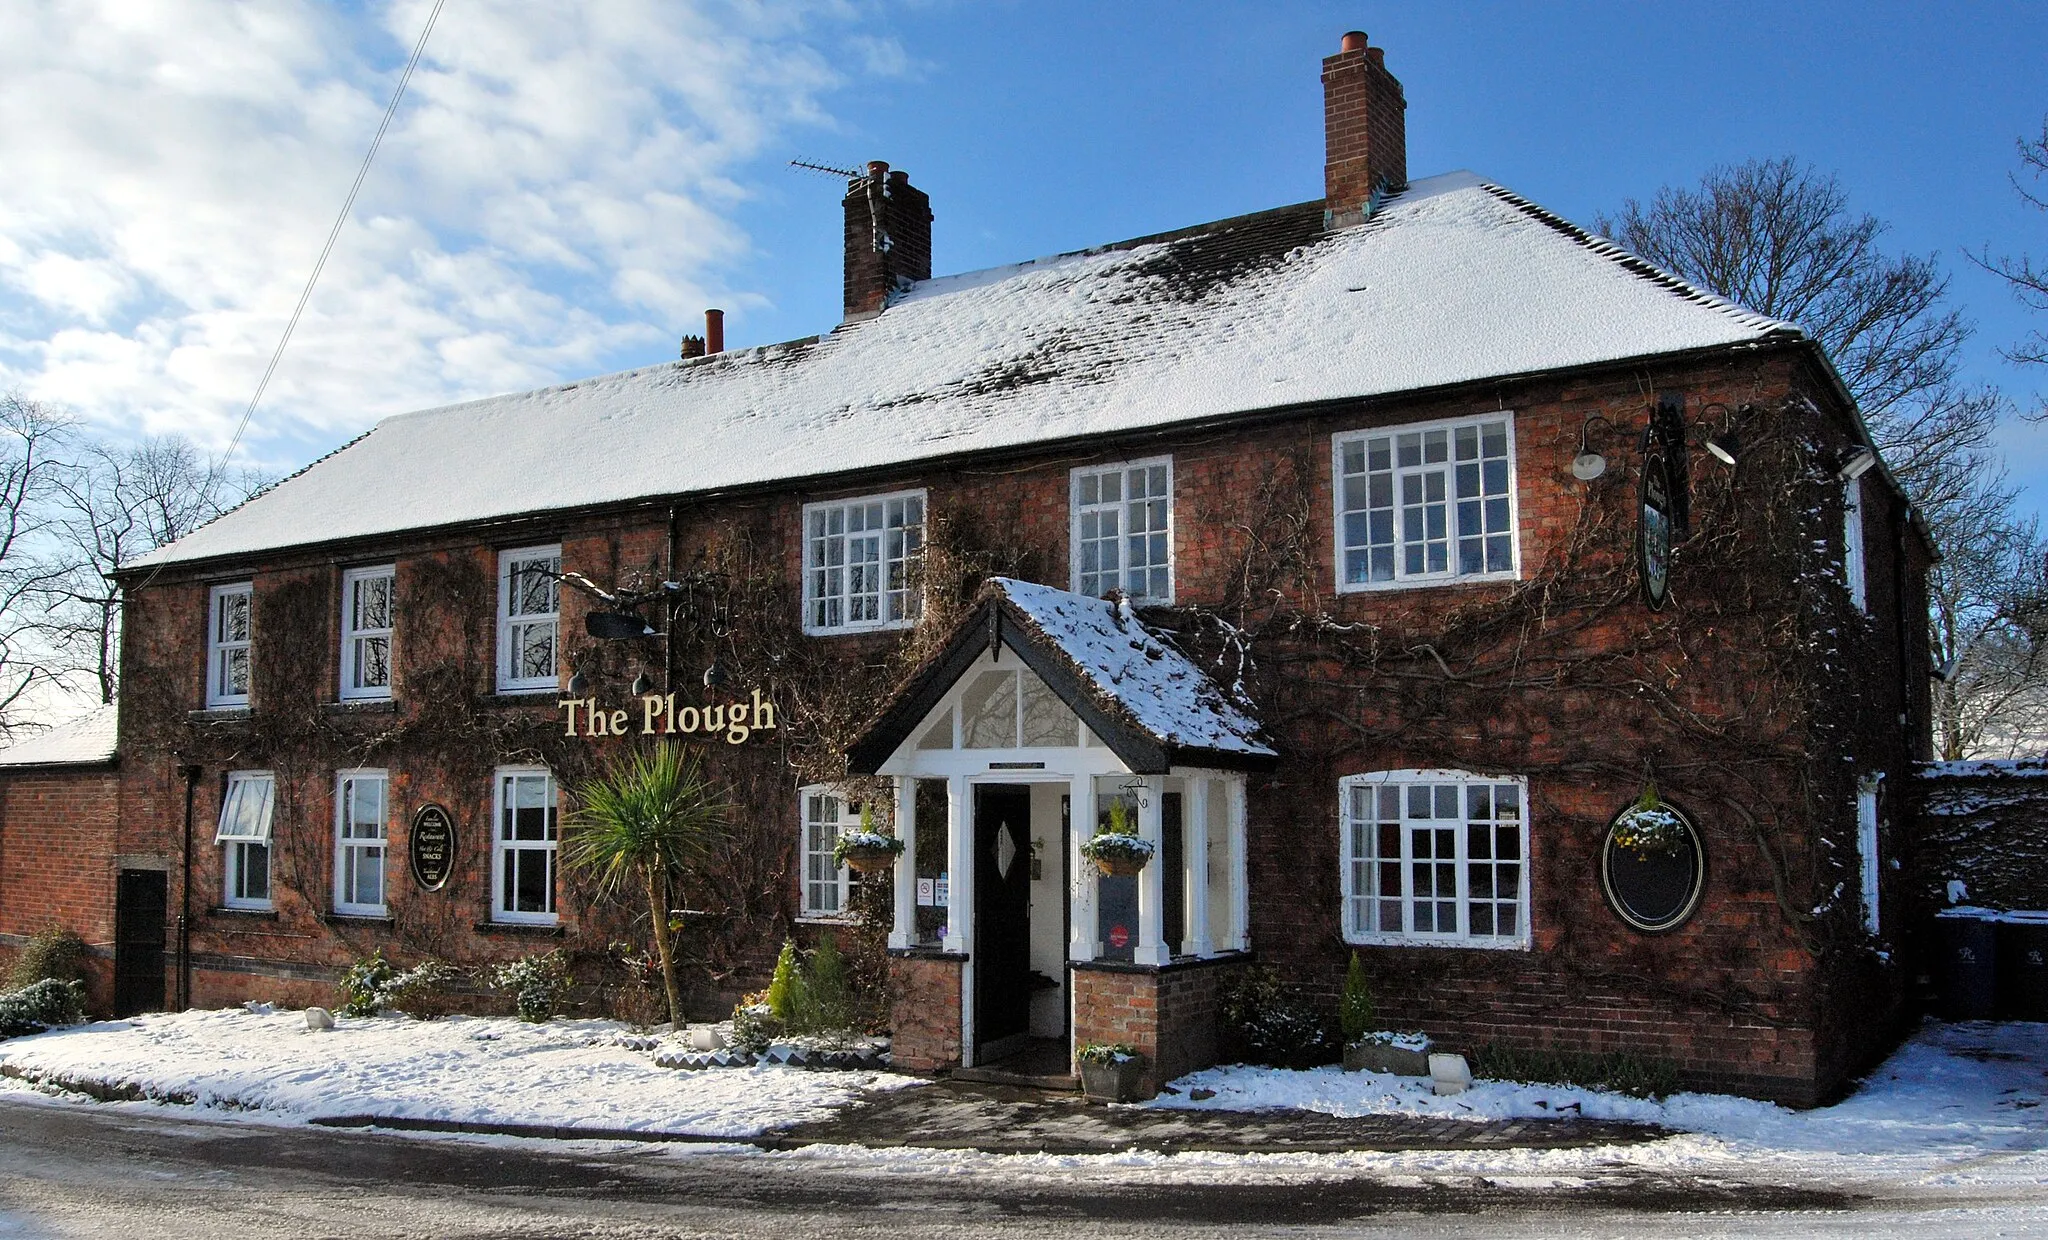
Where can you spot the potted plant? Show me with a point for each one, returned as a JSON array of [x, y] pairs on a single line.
[[866, 849], [1116, 848], [1110, 1071], [1650, 827]]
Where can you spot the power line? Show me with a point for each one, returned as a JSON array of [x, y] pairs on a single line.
[[334, 232]]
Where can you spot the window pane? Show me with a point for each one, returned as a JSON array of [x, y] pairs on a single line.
[[1047, 721], [988, 712]]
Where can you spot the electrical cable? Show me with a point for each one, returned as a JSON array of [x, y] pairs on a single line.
[[335, 232]]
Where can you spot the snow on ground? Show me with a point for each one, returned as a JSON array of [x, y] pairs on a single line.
[[470, 1069], [1957, 1105]]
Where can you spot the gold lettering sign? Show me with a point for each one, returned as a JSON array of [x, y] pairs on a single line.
[[659, 715]]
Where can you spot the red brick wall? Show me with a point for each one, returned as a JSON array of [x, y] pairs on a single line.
[[925, 1001], [1170, 1015], [57, 833]]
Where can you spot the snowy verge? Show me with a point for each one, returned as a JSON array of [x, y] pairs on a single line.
[[464, 1069]]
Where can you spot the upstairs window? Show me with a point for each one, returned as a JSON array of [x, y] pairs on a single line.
[[859, 558], [1435, 857], [244, 836], [529, 612], [366, 621], [1427, 503], [1122, 532], [1855, 572], [227, 645]]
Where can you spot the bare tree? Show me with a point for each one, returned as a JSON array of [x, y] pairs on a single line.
[[32, 438], [112, 503], [2029, 282], [1780, 238]]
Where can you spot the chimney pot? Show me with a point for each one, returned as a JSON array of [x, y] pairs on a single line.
[[714, 331], [693, 346], [877, 170], [1354, 41]]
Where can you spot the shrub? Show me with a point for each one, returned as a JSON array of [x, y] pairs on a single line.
[[47, 1004], [538, 984], [1107, 1053], [1355, 1012], [831, 997], [1278, 1026], [1621, 1072], [53, 953], [363, 986], [753, 1023], [422, 992], [781, 996]]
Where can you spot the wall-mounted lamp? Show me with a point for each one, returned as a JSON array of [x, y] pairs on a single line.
[[1857, 464], [643, 684], [714, 676], [1725, 446], [1588, 464], [579, 684]]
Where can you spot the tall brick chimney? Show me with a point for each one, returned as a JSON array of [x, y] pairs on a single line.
[[888, 238], [1365, 128]]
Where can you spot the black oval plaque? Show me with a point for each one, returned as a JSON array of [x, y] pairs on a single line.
[[433, 847]]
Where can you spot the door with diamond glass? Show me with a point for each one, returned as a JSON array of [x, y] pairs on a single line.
[[1002, 920]]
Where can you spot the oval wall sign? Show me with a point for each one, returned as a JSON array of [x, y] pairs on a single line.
[[1653, 532], [432, 847]]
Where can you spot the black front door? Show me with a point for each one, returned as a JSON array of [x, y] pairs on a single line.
[[139, 908], [1002, 920]]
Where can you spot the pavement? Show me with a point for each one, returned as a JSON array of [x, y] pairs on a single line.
[[1005, 1119]]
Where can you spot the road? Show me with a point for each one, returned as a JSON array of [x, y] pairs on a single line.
[[74, 1170]]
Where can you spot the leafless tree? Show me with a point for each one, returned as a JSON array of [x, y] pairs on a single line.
[[2029, 282], [108, 505], [32, 440], [1780, 238]]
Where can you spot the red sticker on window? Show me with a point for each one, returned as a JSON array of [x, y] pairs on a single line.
[[1119, 937]]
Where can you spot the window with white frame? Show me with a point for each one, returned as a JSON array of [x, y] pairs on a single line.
[[244, 837], [523, 846], [361, 817], [367, 609], [860, 557], [1435, 857], [1867, 851], [228, 630], [1853, 568], [1122, 531], [529, 612], [827, 884], [1426, 503]]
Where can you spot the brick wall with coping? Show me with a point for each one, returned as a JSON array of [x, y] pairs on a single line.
[[925, 996]]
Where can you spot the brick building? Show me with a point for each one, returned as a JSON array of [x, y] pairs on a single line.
[[1371, 556], [59, 792]]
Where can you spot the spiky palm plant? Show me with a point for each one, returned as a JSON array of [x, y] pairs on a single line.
[[646, 821]]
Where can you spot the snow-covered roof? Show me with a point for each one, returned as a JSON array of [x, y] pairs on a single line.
[[1986, 768], [1150, 680], [1452, 280], [85, 741]]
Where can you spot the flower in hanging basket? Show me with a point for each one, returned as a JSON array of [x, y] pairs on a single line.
[[1650, 827], [865, 848]]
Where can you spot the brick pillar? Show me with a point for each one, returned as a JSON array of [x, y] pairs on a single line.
[[925, 992]]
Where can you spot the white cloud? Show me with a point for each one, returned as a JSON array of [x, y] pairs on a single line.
[[562, 184]]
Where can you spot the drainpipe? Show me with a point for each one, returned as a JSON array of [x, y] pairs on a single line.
[[668, 641], [191, 774]]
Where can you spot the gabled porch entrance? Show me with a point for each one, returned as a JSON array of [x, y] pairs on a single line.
[[1008, 753]]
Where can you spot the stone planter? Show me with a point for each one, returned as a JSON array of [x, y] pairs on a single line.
[[1111, 1082], [1386, 1057]]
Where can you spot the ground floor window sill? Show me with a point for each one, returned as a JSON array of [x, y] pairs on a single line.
[[253, 914], [360, 919], [522, 929]]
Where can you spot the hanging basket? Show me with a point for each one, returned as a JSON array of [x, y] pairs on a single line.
[[1121, 865], [870, 860]]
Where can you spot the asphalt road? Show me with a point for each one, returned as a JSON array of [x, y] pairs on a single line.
[[74, 1170]]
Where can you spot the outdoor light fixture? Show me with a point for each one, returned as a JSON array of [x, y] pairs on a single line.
[[579, 685], [1857, 464], [714, 676], [1588, 464], [1725, 446], [643, 684]]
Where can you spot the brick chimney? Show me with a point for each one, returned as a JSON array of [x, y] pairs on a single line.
[[1365, 128], [888, 238]]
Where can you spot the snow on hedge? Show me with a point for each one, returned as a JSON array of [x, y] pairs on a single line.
[[474, 1069]]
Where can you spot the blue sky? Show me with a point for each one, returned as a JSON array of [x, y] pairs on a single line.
[[565, 191]]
